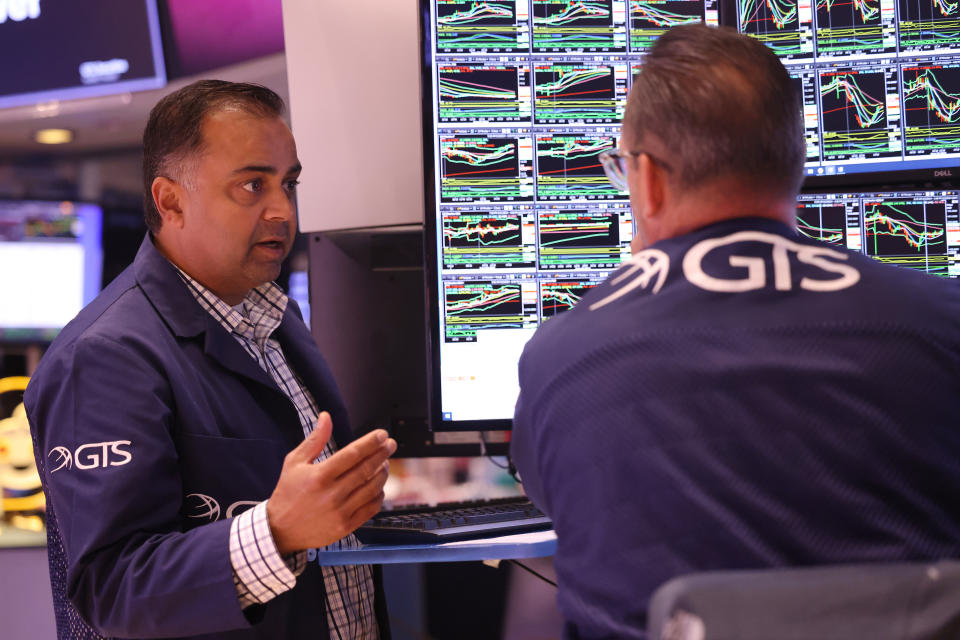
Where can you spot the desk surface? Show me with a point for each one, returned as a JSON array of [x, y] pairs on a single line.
[[521, 545]]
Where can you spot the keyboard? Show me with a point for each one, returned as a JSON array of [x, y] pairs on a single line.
[[453, 521]]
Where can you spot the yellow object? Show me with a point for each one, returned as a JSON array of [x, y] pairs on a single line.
[[14, 383], [30, 523], [18, 469], [36, 502]]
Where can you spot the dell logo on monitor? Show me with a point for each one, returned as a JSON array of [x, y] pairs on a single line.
[[19, 10], [942, 173]]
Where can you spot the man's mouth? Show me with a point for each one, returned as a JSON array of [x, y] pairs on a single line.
[[272, 244]]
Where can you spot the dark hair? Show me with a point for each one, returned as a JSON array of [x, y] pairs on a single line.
[[718, 104], [174, 132]]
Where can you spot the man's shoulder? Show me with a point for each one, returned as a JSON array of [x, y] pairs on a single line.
[[120, 312], [891, 294], [745, 275], [766, 270]]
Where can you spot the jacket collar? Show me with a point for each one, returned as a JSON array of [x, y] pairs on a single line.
[[169, 295], [722, 227], [167, 292]]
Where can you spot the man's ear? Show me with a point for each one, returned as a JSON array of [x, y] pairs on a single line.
[[169, 198], [653, 185]]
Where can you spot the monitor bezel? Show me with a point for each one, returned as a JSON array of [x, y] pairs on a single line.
[[945, 175]]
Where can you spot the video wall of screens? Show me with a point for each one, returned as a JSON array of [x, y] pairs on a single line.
[[523, 95], [880, 78]]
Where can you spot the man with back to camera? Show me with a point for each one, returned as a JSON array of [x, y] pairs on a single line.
[[169, 417], [736, 395]]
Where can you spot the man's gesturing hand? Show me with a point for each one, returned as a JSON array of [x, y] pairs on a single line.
[[315, 504]]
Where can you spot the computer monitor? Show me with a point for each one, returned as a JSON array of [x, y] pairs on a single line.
[[520, 98], [50, 266]]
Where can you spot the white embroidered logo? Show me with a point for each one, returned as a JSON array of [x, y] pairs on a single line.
[[92, 456], [756, 270], [240, 504], [645, 265], [65, 459], [207, 508], [204, 507]]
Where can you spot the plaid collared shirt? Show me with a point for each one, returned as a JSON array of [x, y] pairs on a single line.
[[259, 571]]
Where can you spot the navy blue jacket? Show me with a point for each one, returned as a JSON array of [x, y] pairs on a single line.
[[740, 397], [152, 427]]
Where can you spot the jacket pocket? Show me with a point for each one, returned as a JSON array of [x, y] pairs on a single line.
[[222, 477]]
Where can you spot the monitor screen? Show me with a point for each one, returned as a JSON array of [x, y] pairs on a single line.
[[50, 266], [63, 49], [915, 229], [880, 79], [520, 98]]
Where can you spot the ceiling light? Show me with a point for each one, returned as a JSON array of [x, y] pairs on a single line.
[[53, 136]]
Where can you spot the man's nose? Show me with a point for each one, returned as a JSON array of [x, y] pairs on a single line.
[[279, 207]]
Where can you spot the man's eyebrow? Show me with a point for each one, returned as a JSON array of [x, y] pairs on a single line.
[[258, 168]]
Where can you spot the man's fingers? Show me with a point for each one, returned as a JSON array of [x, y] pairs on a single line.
[[366, 491], [360, 474], [366, 511], [354, 453], [312, 446]]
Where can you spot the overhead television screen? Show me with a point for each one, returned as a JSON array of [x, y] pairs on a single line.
[[64, 49], [520, 97]]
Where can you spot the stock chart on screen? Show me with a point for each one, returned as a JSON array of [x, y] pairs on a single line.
[[579, 26], [915, 229], [524, 95], [571, 90], [650, 18]]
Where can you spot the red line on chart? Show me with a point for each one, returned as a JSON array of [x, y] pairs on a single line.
[[580, 93], [589, 166], [470, 173]]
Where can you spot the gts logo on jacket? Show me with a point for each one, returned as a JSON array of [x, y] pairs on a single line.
[[648, 269], [754, 269], [203, 507], [91, 456]]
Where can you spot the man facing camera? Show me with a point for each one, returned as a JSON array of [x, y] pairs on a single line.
[[736, 395], [192, 443]]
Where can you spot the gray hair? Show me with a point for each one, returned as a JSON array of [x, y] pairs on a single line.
[[718, 104]]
